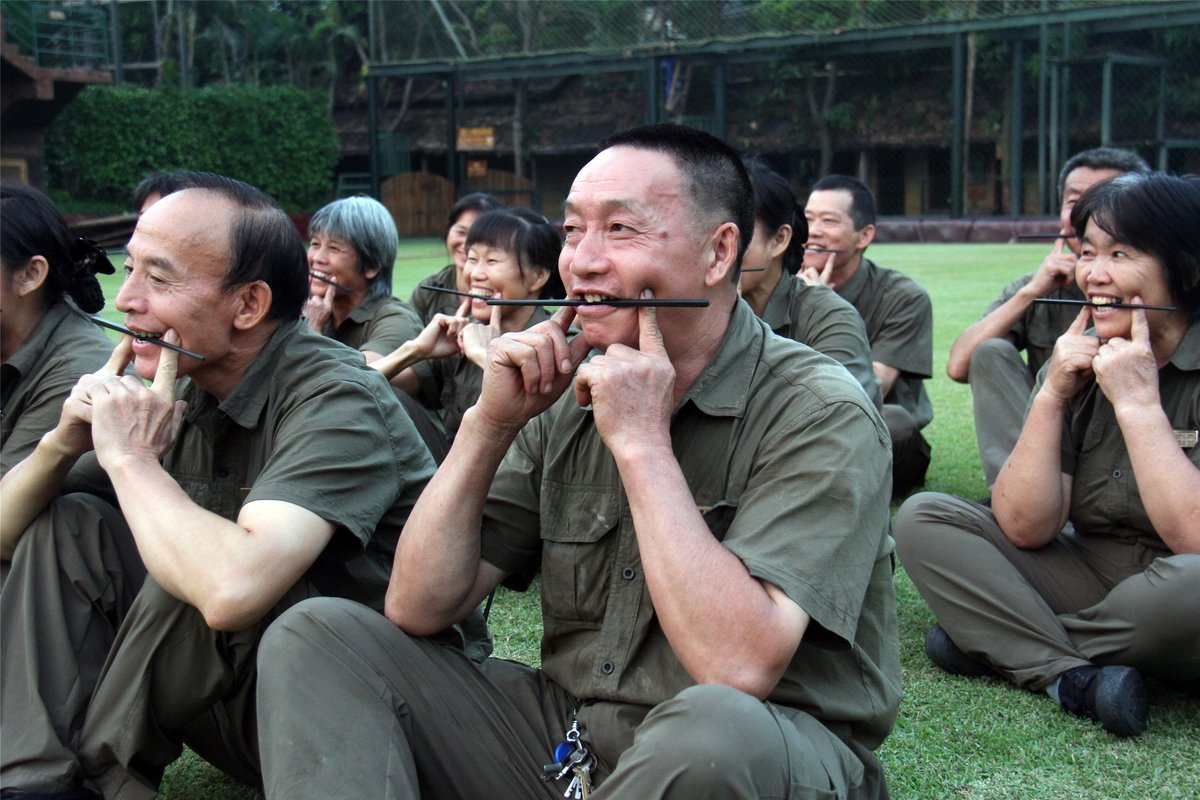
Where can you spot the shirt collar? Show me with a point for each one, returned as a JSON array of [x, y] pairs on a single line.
[[1187, 356], [245, 403], [858, 281], [24, 359], [724, 387], [776, 313], [366, 309]]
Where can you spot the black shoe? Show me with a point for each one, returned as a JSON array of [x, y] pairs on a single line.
[[1113, 696], [944, 653]]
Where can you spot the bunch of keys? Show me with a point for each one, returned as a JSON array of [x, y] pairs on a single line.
[[572, 756]]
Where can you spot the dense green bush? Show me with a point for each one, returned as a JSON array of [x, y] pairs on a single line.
[[277, 138]]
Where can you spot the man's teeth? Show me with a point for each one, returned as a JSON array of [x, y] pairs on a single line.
[[147, 335], [594, 298]]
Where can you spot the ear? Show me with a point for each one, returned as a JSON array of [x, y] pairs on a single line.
[[371, 274], [253, 304], [31, 277], [866, 236], [724, 254], [781, 240], [535, 279]]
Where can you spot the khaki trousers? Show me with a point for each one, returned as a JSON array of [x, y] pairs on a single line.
[[350, 706], [105, 674], [1000, 387], [910, 450], [1033, 614]]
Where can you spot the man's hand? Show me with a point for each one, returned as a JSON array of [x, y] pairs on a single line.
[[318, 310], [813, 278], [1071, 364], [528, 370], [1056, 270], [130, 419], [631, 391], [473, 340], [73, 435], [1126, 369]]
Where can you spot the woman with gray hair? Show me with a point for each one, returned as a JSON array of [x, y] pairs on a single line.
[[352, 247]]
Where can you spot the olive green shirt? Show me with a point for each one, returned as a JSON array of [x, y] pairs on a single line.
[[429, 303], [1042, 323], [899, 319], [1105, 500], [789, 463], [457, 381], [36, 380], [818, 317], [308, 424], [380, 324]]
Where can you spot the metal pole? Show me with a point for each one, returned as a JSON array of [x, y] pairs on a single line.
[[958, 65], [451, 132], [719, 123], [1064, 108], [1161, 122], [652, 101], [1016, 184], [373, 130], [114, 24], [1106, 104], [1044, 201]]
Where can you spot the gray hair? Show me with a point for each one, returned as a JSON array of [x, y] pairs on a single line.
[[367, 226], [1102, 158]]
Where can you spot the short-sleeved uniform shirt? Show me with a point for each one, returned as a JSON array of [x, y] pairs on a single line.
[[428, 303], [1042, 323], [380, 324], [36, 380], [309, 424], [457, 381], [789, 463], [899, 319], [1105, 500], [818, 317]]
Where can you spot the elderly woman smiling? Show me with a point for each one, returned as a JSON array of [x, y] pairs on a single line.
[[1083, 576]]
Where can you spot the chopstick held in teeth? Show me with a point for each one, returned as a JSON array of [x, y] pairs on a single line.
[[103, 323], [1062, 301], [323, 279], [562, 301], [1049, 237]]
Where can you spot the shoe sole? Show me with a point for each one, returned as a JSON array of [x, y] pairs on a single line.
[[1122, 701]]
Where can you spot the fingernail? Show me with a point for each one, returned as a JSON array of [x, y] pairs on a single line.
[[547, 388], [565, 366]]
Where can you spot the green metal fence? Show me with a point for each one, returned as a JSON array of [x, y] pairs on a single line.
[[61, 35]]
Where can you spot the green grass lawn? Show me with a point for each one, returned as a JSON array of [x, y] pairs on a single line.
[[955, 738]]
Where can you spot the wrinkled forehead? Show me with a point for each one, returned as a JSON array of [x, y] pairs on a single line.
[[187, 226], [633, 179], [834, 202]]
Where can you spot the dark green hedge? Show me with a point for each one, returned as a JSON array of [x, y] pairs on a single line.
[[277, 138]]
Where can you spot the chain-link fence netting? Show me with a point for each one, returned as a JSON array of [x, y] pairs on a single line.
[[863, 87]]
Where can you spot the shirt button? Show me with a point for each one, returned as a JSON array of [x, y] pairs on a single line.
[[607, 667], [628, 573], [1117, 474]]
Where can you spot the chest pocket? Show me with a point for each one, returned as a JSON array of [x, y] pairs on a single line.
[[580, 536]]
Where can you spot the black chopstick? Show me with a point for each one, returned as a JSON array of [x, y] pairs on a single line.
[[812, 248], [652, 302], [1046, 237], [1066, 302], [540, 301], [323, 279], [754, 269], [103, 323]]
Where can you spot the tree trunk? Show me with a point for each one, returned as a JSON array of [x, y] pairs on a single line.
[[820, 113]]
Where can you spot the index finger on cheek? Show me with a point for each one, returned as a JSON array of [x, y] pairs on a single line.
[[168, 366]]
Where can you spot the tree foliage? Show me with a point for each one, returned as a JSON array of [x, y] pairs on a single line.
[[278, 138]]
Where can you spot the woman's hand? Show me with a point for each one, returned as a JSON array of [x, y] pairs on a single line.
[[473, 340], [1071, 364], [1126, 369], [318, 310], [440, 337]]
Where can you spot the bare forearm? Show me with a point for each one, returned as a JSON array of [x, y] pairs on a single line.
[[29, 487], [398, 360], [1167, 480], [721, 622], [993, 326], [1029, 498], [438, 575]]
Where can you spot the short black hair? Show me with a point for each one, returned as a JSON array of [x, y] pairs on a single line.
[[1102, 158], [479, 202], [775, 206], [265, 245], [1157, 214], [31, 225], [527, 235], [717, 180], [862, 202], [165, 183]]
